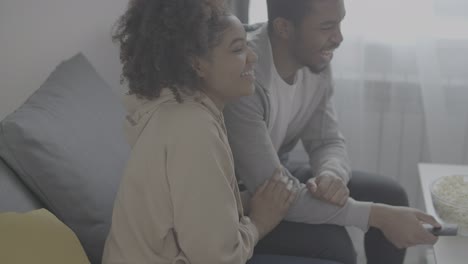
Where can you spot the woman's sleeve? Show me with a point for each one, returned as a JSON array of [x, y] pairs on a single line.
[[206, 218]]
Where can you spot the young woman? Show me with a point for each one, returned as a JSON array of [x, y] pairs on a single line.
[[179, 200]]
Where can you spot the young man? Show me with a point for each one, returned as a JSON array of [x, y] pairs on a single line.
[[292, 103]]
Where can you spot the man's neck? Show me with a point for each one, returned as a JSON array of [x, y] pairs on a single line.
[[285, 64]]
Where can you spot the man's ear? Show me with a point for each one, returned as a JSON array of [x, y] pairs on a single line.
[[283, 28]]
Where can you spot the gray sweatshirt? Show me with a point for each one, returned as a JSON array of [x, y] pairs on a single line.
[[259, 134]]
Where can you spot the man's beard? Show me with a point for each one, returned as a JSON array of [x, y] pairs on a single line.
[[317, 69]]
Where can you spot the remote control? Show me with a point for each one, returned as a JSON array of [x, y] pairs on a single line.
[[445, 230]]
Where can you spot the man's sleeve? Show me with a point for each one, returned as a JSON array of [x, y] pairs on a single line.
[[323, 140], [256, 159]]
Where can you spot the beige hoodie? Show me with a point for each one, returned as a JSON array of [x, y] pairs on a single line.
[[178, 201]]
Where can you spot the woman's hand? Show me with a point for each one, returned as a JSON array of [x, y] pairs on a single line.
[[271, 202]]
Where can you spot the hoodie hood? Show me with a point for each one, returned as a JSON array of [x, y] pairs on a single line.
[[140, 111]]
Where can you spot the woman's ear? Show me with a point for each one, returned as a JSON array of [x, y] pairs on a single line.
[[198, 66], [283, 28]]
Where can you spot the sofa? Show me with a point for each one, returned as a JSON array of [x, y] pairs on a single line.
[[64, 150]]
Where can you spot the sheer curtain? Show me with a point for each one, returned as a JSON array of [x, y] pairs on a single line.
[[401, 84]]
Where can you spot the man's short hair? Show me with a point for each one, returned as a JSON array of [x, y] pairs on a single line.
[[292, 10]]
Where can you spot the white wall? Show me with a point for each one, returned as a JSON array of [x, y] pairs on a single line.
[[35, 35]]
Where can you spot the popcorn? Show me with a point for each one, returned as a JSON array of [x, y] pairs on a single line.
[[450, 199]]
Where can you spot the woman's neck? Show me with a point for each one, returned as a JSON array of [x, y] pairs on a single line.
[[218, 100]]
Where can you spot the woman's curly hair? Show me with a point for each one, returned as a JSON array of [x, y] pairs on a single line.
[[159, 39]]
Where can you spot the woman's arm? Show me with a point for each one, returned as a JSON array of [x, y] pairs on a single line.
[[201, 178]]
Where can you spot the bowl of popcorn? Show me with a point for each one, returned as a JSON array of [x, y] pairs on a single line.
[[450, 199]]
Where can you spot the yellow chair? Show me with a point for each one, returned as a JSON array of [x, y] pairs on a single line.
[[38, 237]]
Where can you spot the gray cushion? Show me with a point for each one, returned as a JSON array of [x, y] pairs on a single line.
[[14, 196], [67, 145]]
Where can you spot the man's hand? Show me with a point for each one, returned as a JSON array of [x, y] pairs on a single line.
[[329, 188], [402, 226]]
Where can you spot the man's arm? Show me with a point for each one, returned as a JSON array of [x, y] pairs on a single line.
[[323, 140], [255, 159]]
